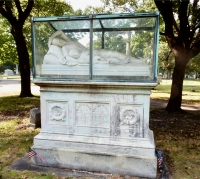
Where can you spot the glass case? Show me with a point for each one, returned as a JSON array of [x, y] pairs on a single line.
[[97, 47]]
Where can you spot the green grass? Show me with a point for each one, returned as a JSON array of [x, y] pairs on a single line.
[[15, 137], [177, 136], [14, 103], [10, 77], [163, 90]]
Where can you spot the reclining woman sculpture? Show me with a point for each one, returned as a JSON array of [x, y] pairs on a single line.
[[66, 52]]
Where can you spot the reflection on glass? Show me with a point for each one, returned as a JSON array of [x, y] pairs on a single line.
[[63, 51], [123, 49], [125, 53]]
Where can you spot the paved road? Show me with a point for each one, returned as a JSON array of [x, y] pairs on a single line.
[[12, 87]]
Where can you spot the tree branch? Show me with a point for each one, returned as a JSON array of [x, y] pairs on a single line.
[[167, 58], [176, 27], [8, 5], [165, 8], [161, 33], [194, 20], [7, 13], [195, 50], [17, 3], [184, 24], [196, 39], [26, 12]]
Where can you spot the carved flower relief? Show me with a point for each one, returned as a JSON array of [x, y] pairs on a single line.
[[57, 112], [129, 116]]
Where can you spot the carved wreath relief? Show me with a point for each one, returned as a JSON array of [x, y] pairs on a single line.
[[129, 116], [57, 112], [130, 122]]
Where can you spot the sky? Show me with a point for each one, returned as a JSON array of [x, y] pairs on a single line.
[[81, 4]]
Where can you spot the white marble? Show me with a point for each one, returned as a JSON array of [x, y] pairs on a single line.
[[142, 166], [96, 126], [65, 57]]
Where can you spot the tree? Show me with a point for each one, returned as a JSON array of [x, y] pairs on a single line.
[[16, 12], [182, 32], [16, 21]]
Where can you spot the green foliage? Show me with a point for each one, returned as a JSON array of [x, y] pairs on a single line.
[[193, 66], [113, 41], [51, 8], [166, 59], [115, 6], [55, 8], [93, 10], [7, 65], [15, 138], [141, 44], [8, 50]]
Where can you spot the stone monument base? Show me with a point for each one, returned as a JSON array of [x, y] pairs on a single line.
[[99, 127], [141, 166]]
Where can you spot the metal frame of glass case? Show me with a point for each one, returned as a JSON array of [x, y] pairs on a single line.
[[102, 25]]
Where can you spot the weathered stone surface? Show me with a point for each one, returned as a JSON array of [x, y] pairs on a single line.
[[141, 166], [96, 128], [35, 118]]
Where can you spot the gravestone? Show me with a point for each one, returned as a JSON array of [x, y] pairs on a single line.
[[8, 72], [95, 104], [35, 118]]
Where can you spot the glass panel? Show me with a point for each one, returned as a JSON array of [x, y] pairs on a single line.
[[121, 55], [60, 54], [127, 23], [124, 48], [97, 24], [67, 25]]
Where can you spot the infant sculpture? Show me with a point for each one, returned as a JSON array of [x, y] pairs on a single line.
[[66, 52]]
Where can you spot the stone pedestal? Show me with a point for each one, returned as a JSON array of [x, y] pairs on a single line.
[[96, 126]]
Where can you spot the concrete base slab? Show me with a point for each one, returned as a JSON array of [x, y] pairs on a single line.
[[25, 164], [141, 166]]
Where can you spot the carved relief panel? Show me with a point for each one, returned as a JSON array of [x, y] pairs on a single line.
[[92, 114], [130, 122], [57, 112]]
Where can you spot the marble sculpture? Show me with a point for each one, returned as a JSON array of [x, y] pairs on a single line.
[[63, 51]]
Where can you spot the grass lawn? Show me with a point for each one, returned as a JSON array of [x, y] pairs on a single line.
[[178, 135], [191, 91], [9, 77]]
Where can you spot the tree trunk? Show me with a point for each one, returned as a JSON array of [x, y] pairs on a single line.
[[175, 100], [24, 65]]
